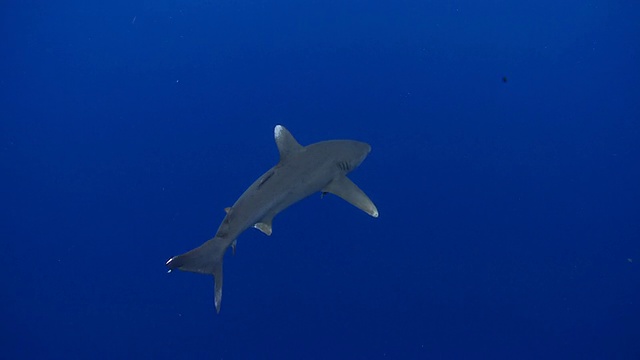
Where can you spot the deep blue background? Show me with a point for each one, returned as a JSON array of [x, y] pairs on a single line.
[[510, 212]]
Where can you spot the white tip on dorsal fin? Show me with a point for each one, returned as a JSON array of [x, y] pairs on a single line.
[[287, 144]]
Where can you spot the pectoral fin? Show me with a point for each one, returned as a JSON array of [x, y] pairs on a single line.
[[350, 192]]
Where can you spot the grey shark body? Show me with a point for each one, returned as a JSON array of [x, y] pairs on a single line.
[[302, 171]]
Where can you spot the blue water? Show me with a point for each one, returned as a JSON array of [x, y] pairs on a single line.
[[509, 220]]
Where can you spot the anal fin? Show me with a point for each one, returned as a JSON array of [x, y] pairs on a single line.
[[351, 193]]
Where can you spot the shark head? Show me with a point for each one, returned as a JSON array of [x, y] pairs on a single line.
[[349, 153], [346, 154], [361, 149]]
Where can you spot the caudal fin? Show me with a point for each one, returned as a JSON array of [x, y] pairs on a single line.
[[217, 279], [205, 259]]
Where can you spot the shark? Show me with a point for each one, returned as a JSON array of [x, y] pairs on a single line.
[[302, 170]]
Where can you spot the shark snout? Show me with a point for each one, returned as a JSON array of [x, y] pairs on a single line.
[[362, 150]]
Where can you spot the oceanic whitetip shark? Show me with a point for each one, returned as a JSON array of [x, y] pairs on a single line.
[[302, 170]]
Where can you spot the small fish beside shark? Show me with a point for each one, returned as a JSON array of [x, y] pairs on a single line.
[[302, 171]]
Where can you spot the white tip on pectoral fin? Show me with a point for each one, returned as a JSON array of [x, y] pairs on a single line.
[[350, 192]]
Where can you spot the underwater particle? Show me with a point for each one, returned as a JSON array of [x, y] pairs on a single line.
[[630, 260], [504, 79]]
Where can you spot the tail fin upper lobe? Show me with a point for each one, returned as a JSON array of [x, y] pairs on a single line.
[[205, 259]]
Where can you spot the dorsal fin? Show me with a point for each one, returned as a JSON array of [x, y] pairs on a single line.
[[287, 144]]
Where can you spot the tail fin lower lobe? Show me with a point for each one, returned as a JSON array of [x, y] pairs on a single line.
[[205, 259]]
